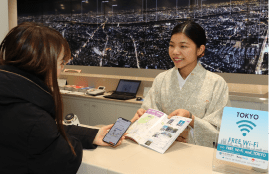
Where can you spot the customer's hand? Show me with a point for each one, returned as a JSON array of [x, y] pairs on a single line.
[[98, 140], [138, 114]]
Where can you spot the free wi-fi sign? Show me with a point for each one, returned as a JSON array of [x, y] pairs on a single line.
[[245, 126]]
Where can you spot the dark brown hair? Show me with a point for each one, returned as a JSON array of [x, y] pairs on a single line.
[[35, 48], [193, 31]]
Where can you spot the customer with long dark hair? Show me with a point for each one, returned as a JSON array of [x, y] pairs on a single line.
[[188, 89], [33, 137]]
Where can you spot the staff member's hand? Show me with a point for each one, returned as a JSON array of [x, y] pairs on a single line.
[[183, 137], [138, 114], [98, 140], [183, 113], [180, 112]]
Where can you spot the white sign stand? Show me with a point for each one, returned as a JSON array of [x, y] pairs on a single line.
[[242, 142]]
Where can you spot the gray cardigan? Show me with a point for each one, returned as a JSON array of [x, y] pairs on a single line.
[[204, 94]]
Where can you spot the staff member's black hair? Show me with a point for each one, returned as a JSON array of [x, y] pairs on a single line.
[[193, 31]]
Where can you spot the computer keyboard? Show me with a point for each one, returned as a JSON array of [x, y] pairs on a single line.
[[119, 97]]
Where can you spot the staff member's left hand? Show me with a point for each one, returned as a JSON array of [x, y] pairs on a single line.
[[180, 112]]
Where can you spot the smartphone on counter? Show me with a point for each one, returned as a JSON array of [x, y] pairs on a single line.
[[117, 131]]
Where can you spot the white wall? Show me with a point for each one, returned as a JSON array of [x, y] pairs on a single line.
[[4, 24], [12, 14]]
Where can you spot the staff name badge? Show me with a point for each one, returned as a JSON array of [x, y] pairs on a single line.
[[243, 137]]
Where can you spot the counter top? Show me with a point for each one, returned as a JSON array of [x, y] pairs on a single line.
[[248, 98], [131, 158], [100, 97], [118, 77], [241, 92], [238, 96]]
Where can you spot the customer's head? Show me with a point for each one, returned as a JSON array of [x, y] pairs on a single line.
[[35, 48], [187, 44], [41, 51]]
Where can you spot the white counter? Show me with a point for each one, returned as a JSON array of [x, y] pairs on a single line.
[[132, 158]]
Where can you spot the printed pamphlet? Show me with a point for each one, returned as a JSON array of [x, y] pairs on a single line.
[[155, 131]]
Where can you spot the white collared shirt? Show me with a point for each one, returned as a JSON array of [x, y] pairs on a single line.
[[181, 81]]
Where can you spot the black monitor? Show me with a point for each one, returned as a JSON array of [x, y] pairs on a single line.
[[128, 86]]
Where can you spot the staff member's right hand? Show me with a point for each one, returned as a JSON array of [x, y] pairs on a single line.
[[183, 137], [138, 114]]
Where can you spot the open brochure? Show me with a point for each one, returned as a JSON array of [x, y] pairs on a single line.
[[155, 131]]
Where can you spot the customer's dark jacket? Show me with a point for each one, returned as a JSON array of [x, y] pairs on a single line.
[[29, 139]]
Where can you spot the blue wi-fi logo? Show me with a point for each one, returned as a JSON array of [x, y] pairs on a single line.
[[245, 126]]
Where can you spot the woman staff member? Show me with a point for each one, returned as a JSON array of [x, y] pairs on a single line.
[[33, 138], [188, 89]]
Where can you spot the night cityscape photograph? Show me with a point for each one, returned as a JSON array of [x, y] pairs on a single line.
[[136, 33]]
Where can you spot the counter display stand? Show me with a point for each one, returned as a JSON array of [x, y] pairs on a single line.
[[233, 168], [232, 154]]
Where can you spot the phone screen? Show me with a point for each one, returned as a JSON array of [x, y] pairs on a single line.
[[116, 132]]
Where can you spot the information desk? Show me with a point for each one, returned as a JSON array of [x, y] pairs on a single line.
[[96, 110], [132, 158]]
